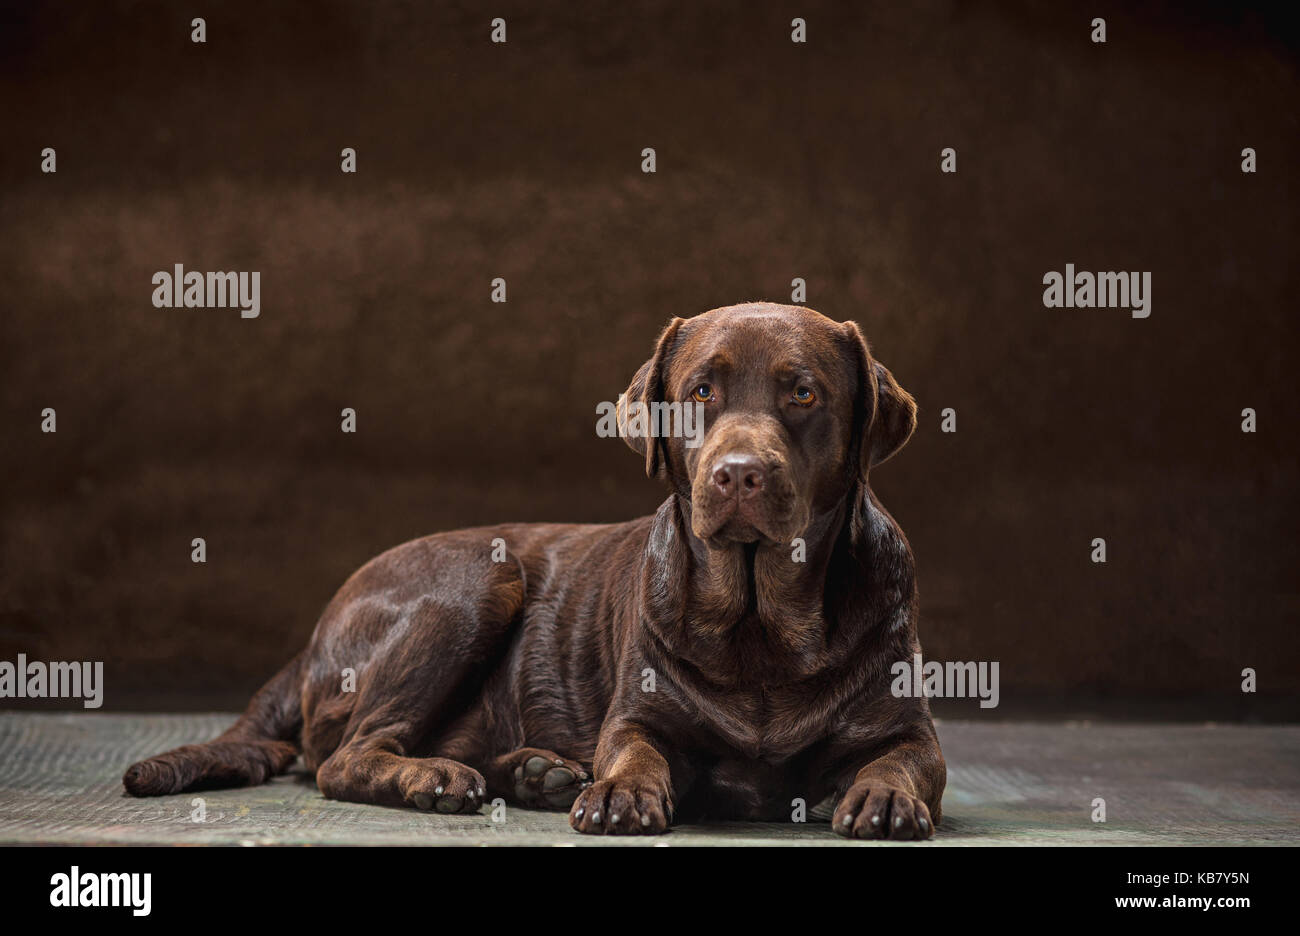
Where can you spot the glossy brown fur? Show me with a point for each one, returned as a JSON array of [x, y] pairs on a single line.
[[478, 678]]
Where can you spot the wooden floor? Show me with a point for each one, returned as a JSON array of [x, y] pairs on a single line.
[[1028, 783]]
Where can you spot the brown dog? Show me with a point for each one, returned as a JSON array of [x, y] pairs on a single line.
[[721, 658]]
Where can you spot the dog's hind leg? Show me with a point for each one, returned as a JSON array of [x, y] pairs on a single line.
[[422, 651], [369, 771], [261, 744]]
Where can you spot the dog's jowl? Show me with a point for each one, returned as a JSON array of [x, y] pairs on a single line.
[[469, 678]]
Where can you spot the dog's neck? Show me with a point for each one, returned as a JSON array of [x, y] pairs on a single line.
[[763, 605]]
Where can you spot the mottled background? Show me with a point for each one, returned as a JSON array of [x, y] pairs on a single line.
[[775, 160]]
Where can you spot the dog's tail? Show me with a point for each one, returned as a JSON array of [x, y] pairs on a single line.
[[264, 742]]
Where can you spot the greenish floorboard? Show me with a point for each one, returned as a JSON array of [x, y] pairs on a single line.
[[1008, 784]]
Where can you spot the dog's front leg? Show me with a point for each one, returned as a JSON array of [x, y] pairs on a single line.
[[896, 795], [632, 792]]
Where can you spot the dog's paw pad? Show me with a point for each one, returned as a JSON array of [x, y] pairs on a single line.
[[549, 780]]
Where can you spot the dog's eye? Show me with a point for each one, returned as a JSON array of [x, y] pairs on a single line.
[[702, 394], [804, 396]]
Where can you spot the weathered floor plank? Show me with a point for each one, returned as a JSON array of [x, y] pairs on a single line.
[[1008, 784]]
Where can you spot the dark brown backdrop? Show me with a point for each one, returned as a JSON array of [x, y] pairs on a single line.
[[776, 160]]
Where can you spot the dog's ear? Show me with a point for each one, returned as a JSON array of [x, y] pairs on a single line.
[[884, 413], [895, 417], [646, 388]]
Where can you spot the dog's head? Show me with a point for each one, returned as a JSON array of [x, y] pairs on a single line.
[[795, 412]]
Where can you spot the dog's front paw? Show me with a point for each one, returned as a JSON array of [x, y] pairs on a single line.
[[621, 807], [871, 810]]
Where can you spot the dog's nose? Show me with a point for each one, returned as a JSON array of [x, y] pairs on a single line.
[[738, 475]]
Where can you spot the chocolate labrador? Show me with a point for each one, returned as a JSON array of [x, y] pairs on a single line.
[[725, 658]]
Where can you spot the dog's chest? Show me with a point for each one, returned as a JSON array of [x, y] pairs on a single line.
[[756, 757], [749, 789], [760, 725]]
